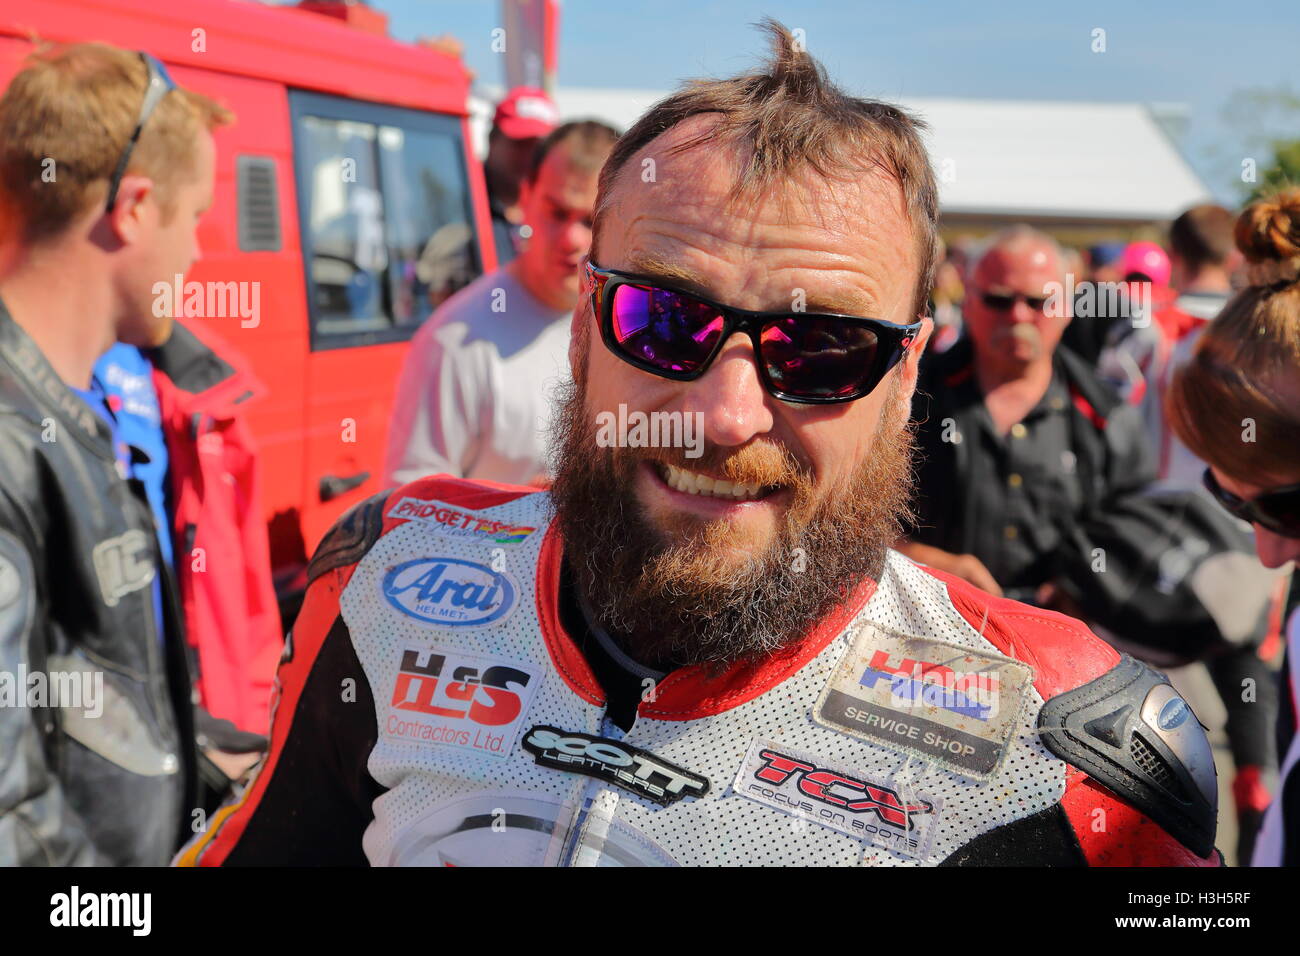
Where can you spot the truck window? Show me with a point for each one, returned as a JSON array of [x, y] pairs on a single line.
[[387, 228]]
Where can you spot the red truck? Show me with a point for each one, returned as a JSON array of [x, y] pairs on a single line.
[[348, 201]]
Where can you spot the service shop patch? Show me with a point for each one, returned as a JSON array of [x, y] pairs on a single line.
[[950, 705], [808, 787]]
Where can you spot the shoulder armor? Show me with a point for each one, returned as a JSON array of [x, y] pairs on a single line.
[[1131, 732], [351, 536]]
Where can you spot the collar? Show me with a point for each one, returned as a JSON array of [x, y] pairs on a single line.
[[50, 393], [687, 693], [611, 646]]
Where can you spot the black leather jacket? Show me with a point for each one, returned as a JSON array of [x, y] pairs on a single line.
[[97, 766]]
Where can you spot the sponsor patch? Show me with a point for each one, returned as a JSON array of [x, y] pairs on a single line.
[[451, 522], [123, 564], [615, 762], [810, 788], [459, 700], [947, 704], [451, 592]]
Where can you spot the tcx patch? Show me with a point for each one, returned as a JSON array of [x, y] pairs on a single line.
[[810, 788], [947, 704]]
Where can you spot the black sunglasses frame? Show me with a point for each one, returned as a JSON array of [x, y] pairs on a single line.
[[1000, 303], [159, 85], [1253, 510], [894, 339]]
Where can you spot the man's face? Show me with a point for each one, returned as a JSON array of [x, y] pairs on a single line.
[[166, 248], [828, 477], [509, 160], [557, 207], [1022, 334]]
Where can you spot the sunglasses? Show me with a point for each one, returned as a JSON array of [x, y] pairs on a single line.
[[1006, 302], [808, 358], [1277, 510], [159, 85]]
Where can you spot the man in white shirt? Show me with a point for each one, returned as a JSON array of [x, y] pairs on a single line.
[[475, 394]]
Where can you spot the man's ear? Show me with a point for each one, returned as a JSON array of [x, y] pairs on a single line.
[[912, 360], [580, 328], [126, 220], [525, 197]]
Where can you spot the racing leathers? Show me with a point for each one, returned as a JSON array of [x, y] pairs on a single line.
[[437, 705], [97, 762]]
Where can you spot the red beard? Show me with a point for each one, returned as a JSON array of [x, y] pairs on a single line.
[[674, 596]]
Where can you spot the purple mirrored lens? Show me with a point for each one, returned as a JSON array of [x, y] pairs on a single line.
[[663, 328], [813, 357]]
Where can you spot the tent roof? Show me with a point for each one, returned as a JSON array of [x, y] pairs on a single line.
[[1045, 160]]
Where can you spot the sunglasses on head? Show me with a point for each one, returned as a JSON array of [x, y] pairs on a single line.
[[1005, 302], [158, 86], [1277, 510], [809, 358]]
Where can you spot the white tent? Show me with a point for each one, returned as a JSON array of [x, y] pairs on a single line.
[[1044, 161]]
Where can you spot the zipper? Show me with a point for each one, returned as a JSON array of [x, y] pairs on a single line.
[[157, 666], [591, 790]]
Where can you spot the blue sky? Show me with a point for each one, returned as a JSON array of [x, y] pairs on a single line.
[[1192, 52]]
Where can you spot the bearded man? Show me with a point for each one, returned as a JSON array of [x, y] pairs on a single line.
[[714, 658]]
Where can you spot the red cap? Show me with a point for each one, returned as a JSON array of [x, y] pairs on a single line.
[[1148, 259], [526, 113]]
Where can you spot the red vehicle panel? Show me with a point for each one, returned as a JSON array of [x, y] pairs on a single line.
[[363, 149]]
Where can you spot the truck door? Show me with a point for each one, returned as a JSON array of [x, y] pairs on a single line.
[[387, 235]]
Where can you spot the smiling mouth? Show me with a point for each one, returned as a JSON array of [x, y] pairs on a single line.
[[693, 483]]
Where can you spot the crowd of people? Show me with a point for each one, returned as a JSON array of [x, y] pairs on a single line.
[[1017, 473]]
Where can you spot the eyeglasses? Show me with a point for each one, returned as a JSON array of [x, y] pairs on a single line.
[[1277, 510], [1005, 302], [159, 85], [808, 358]]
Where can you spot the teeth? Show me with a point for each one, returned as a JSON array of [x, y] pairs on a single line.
[[688, 481]]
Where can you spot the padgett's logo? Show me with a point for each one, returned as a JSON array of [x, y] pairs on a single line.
[[457, 523], [450, 592]]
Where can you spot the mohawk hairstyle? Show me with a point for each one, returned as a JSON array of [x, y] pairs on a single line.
[[786, 117]]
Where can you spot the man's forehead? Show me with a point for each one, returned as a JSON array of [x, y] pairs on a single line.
[[846, 292], [1021, 257], [668, 214]]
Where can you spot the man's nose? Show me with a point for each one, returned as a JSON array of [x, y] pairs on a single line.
[[730, 396], [1275, 550], [1022, 311], [577, 235]]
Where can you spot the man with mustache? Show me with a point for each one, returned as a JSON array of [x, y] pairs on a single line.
[[715, 659], [1010, 427]]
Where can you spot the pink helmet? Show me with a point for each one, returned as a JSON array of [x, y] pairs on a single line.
[[1148, 259]]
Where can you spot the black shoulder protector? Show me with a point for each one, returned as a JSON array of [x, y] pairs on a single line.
[[1130, 731], [351, 536]]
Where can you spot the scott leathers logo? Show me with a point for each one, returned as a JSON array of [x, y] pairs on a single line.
[[615, 762], [450, 592]]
